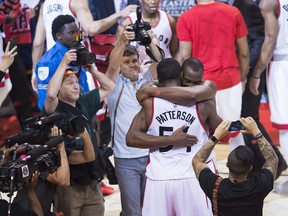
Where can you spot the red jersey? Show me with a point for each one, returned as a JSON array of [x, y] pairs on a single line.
[[212, 29]]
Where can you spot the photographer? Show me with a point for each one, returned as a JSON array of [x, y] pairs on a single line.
[[47, 183], [63, 95], [237, 194], [34, 205], [65, 33], [130, 163]]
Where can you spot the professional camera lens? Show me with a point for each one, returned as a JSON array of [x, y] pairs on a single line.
[[144, 38]]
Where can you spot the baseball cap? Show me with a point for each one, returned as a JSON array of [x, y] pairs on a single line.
[[68, 72]]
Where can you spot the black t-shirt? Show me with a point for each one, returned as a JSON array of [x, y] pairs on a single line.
[[16, 210], [238, 199]]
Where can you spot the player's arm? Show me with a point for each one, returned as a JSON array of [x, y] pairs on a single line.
[[185, 50], [38, 46], [269, 10], [137, 137], [85, 155], [92, 27], [199, 160], [242, 52], [186, 96], [174, 44]]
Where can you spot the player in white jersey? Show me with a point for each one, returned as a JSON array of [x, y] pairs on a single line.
[[275, 48], [163, 25], [172, 187]]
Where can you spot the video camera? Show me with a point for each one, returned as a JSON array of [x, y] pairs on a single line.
[[140, 28], [25, 160], [84, 57], [37, 129]]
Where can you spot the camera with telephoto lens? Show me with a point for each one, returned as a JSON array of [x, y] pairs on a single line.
[[25, 160], [140, 28], [84, 57]]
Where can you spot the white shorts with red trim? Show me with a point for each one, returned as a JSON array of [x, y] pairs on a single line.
[[277, 86], [175, 197], [229, 103]]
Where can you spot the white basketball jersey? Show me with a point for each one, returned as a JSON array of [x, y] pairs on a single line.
[[174, 162], [282, 39], [162, 29], [52, 9]]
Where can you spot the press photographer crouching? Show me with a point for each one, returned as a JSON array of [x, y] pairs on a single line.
[[22, 162], [84, 195]]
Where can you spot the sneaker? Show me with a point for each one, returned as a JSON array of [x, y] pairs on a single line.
[[281, 188], [106, 190]]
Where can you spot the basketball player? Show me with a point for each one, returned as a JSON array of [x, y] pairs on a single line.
[[172, 187]]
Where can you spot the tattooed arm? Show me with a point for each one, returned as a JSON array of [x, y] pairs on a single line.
[[269, 155], [199, 160], [267, 151]]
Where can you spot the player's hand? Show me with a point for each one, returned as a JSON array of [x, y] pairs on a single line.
[[180, 138], [254, 85], [145, 91]]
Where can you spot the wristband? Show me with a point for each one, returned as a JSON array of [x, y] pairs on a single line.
[[260, 135], [214, 139], [255, 77]]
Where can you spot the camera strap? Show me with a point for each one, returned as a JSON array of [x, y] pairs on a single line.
[[150, 54], [215, 194], [115, 112]]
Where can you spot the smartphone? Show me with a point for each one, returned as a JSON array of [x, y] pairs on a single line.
[[13, 43], [236, 125]]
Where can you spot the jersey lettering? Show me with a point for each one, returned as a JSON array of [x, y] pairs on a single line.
[[55, 8]]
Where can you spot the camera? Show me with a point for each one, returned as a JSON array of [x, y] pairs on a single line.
[[140, 28], [104, 153], [37, 129], [236, 125], [25, 160], [84, 57]]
